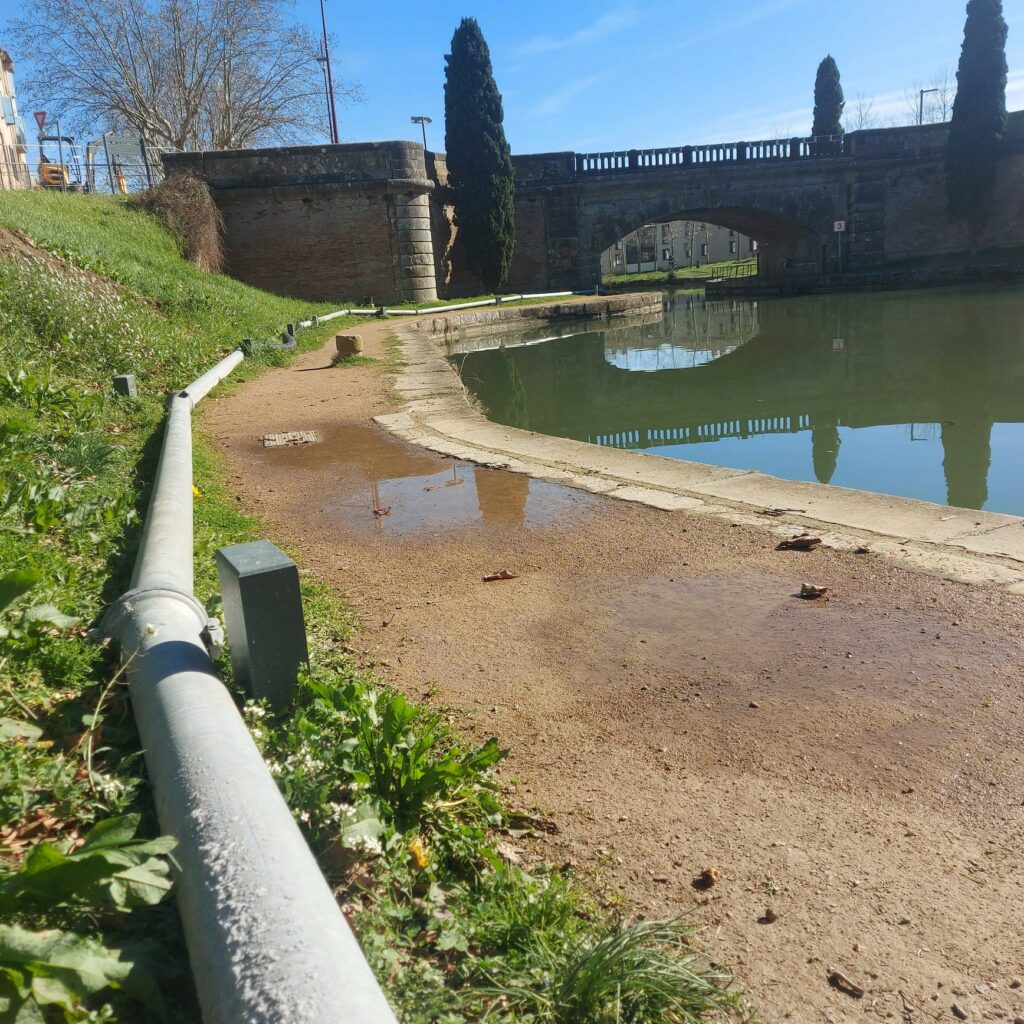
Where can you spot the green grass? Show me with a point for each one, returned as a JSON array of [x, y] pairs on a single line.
[[405, 818], [74, 471], [701, 273]]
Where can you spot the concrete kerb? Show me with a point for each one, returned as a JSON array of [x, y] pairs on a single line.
[[981, 548]]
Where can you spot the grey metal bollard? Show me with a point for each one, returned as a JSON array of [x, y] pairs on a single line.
[[124, 384], [259, 586]]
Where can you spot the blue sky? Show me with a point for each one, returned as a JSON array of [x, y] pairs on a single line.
[[592, 75]]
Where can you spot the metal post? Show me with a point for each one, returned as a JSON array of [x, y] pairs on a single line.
[[920, 105], [330, 80], [145, 162], [106, 154], [60, 157]]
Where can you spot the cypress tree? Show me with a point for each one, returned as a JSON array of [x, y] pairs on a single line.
[[979, 115], [479, 161], [828, 99]]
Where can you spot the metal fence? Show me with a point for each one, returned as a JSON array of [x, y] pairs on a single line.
[[111, 164]]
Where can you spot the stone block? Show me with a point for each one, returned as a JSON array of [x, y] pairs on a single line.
[[348, 345]]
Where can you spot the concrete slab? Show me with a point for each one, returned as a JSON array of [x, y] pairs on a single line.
[[864, 510], [655, 498], [974, 547], [1007, 541]]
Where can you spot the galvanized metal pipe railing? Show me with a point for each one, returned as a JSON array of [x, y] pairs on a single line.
[[266, 940], [390, 311]]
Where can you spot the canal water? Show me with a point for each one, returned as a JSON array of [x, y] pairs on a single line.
[[918, 394]]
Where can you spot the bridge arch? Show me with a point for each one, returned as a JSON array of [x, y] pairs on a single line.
[[763, 225]]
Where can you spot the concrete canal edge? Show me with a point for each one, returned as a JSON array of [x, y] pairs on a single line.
[[968, 546]]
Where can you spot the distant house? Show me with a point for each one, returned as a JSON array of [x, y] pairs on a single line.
[[678, 243], [14, 171]]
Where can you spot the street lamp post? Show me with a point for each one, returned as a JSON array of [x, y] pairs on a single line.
[[920, 105], [331, 109], [422, 120]]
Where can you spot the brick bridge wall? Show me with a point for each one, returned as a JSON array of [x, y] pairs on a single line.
[[347, 222], [328, 223]]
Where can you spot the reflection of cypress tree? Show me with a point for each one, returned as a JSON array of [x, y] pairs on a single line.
[[825, 443], [501, 496], [967, 375], [513, 410], [966, 454]]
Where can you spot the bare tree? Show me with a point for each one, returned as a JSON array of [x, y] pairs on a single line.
[[928, 104], [860, 114], [209, 74]]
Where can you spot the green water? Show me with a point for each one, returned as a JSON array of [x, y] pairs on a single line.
[[918, 394]]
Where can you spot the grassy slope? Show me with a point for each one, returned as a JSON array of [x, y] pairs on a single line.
[[403, 817], [701, 273], [70, 500]]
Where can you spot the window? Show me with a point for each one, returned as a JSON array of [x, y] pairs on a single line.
[[618, 259], [618, 246], [704, 250], [666, 232], [687, 252], [753, 245], [666, 254], [732, 245]]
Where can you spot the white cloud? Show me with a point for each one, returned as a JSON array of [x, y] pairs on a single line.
[[736, 21], [557, 100], [605, 25]]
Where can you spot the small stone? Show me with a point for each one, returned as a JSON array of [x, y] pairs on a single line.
[[958, 1011], [904, 920], [769, 916], [707, 878], [1015, 983], [753, 704]]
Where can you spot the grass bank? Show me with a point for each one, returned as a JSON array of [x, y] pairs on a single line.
[[409, 824], [681, 275]]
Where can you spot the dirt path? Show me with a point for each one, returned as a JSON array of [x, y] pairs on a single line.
[[856, 765]]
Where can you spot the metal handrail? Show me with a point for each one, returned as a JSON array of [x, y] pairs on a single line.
[[266, 939]]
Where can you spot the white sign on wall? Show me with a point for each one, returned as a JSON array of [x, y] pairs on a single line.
[[839, 226]]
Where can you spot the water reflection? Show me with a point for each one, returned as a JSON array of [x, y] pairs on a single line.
[[915, 393], [368, 481]]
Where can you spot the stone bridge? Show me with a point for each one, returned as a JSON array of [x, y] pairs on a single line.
[[363, 220]]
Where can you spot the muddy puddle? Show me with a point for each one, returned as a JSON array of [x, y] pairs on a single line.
[[368, 482]]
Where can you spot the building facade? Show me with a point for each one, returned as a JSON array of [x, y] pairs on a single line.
[[674, 244], [14, 172]]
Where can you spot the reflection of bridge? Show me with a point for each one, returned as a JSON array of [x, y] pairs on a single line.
[[653, 437], [850, 361]]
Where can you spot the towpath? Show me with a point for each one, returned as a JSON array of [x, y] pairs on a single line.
[[855, 764]]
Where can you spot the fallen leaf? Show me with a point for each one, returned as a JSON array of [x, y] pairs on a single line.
[[843, 984], [378, 512], [804, 542], [503, 574]]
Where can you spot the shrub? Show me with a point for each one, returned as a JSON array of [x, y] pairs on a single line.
[[184, 203]]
